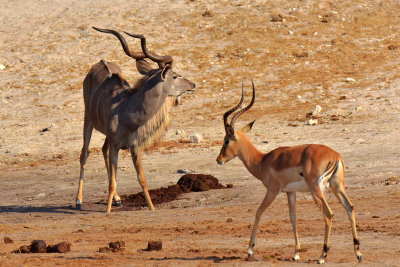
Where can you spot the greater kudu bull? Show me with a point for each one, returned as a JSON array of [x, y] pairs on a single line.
[[130, 117]]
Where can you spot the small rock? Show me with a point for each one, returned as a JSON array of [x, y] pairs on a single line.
[[316, 110], [179, 132], [185, 171], [207, 14], [2, 67], [312, 122], [276, 18], [154, 245], [40, 195], [229, 220], [229, 185], [350, 80], [8, 240], [196, 138]]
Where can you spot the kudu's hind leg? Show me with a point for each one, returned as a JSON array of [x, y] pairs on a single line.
[[87, 134], [137, 161], [112, 167], [105, 148]]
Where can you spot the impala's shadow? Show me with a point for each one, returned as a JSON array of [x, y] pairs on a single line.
[[215, 259], [44, 209]]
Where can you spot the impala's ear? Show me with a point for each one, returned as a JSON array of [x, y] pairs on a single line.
[[248, 127], [165, 71], [143, 66]]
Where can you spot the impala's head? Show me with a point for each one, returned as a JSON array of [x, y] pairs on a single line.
[[230, 148]]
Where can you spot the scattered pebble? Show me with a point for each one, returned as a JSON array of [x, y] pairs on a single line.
[[196, 138], [312, 122], [350, 80], [2, 67], [185, 171], [8, 240], [316, 110]]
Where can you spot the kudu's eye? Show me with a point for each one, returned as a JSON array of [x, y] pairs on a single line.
[[175, 77]]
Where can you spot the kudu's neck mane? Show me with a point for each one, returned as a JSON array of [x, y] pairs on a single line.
[[153, 129]]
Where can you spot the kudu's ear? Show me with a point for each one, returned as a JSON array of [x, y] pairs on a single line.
[[165, 71], [248, 127], [143, 66]]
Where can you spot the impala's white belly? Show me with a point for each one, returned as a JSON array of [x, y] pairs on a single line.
[[298, 186]]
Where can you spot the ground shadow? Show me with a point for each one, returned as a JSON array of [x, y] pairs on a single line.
[[215, 259], [44, 209]]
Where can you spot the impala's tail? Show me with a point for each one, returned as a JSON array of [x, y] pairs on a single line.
[[333, 168]]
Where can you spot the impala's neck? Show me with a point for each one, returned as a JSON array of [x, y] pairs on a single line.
[[250, 155]]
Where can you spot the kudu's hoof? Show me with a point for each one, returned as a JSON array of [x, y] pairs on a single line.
[[78, 207], [117, 203]]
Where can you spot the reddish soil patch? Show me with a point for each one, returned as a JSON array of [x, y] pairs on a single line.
[[186, 184]]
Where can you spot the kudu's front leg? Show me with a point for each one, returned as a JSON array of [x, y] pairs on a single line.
[[87, 134], [137, 161]]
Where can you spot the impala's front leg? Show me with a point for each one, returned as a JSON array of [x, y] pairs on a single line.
[[269, 198], [112, 184], [292, 214]]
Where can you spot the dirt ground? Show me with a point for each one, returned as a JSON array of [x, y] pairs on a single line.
[[341, 55]]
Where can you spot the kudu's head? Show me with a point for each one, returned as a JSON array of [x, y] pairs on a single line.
[[172, 83], [230, 148]]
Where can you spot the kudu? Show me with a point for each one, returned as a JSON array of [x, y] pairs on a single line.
[[304, 168], [130, 117]]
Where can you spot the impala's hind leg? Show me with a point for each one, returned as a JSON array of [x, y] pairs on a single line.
[[339, 191], [87, 134], [328, 217], [292, 213], [137, 161], [105, 148]]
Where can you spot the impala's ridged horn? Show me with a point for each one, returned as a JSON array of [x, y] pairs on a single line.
[[135, 55], [246, 108], [229, 128], [161, 60]]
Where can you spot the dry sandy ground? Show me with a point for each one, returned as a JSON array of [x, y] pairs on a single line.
[[341, 55]]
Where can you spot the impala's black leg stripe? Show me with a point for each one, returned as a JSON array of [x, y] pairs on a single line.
[[326, 248], [356, 241]]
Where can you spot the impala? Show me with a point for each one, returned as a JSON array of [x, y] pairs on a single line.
[[130, 117], [304, 168]]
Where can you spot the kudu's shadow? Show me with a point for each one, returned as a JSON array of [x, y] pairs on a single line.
[[68, 209]]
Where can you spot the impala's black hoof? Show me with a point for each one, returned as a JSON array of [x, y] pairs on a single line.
[[359, 257], [78, 207], [117, 203]]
